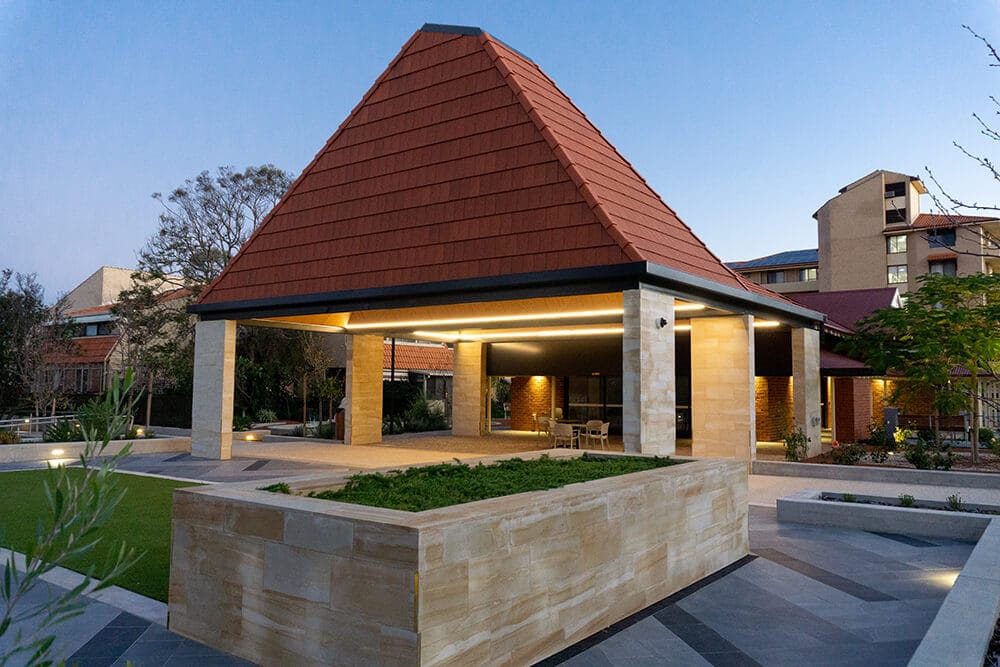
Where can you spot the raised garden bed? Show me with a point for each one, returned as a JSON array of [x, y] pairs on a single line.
[[429, 487], [287, 578]]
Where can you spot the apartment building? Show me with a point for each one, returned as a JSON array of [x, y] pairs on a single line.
[[873, 234]]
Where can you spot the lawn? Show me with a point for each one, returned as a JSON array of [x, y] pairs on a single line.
[[142, 520], [429, 487]]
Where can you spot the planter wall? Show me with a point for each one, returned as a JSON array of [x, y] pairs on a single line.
[[277, 578], [41, 451]]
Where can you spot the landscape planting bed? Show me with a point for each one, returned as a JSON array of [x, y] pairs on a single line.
[[274, 577]]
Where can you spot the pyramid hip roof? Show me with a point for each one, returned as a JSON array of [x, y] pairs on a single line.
[[463, 162]]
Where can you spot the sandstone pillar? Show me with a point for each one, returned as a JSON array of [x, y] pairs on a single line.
[[723, 414], [468, 407], [212, 400], [805, 386], [363, 390], [649, 383]]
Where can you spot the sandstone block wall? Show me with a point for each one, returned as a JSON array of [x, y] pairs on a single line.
[[291, 580]]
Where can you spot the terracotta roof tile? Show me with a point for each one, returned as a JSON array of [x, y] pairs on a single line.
[[464, 160], [418, 357], [86, 350], [932, 220]]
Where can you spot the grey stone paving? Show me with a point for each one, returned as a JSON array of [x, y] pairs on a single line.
[[811, 596]]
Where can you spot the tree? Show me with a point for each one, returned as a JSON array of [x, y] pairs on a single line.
[[28, 330], [945, 338], [953, 206], [203, 224], [78, 507], [206, 221]]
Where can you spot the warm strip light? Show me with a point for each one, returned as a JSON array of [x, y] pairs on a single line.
[[766, 324], [546, 333], [682, 327], [689, 306], [524, 317]]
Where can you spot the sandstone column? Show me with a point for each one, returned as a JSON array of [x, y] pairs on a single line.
[[363, 390], [468, 413], [649, 383], [805, 386], [212, 401], [723, 414]]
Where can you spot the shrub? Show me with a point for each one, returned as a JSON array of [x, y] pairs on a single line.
[[9, 437], [796, 443], [924, 456], [987, 438], [877, 435], [847, 455], [266, 416], [65, 431], [421, 417], [242, 422], [955, 502], [848, 498], [280, 487], [878, 454], [905, 500], [97, 419], [326, 430]]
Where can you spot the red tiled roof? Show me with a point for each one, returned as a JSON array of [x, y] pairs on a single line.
[[96, 310], [846, 307], [464, 160], [833, 361], [932, 220], [164, 297], [87, 350], [941, 255], [418, 357]]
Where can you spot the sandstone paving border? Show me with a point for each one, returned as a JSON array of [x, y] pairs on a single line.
[[885, 475], [961, 631]]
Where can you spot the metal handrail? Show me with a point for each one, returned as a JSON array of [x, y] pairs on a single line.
[[30, 424]]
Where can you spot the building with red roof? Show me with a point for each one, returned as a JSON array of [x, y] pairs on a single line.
[[467, 200]]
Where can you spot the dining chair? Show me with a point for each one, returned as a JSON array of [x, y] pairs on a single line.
[[564, 433], [542, 425], [603, 434], [592, 430]]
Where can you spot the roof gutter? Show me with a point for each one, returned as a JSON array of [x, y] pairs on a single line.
[[564, 282]]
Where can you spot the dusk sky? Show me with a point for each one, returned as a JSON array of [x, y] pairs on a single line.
[[744, 116]]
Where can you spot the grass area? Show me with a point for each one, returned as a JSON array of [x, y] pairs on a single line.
[[429, 487], [142, 520]]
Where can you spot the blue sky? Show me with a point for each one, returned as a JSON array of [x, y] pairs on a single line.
[[744, 116]]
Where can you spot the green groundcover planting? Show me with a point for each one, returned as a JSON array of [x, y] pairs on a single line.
[[142, 520], [429, 487]]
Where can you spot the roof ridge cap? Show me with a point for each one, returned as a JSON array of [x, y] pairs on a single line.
[[298, 181]]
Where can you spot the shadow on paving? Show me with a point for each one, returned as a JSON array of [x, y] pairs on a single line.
[[807, 595]]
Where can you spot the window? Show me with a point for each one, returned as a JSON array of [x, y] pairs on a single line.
[[945, 267], [894, 244], [895, 190], [897, 274], [941, 238], [91, 330], [82, 380], [774, 277], [894, 215], [806, 275]]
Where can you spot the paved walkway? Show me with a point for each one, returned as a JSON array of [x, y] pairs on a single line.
[[809, 595]]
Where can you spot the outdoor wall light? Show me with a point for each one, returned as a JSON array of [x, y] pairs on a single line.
[[662, 322]]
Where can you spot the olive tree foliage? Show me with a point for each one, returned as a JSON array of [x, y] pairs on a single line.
[[205, 222], [951, 204], [945, 338], [28, 331], [78, 506]]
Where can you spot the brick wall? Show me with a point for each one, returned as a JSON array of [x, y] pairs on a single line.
[[528, 395], [532, 395], [775, 411], [853, 407]]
